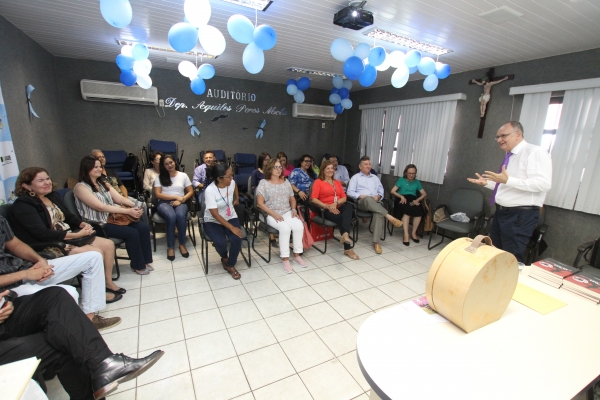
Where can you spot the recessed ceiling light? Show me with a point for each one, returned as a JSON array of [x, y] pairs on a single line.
[[313, 72], [121, 42], [500, 15], [380, 34], [260, 5]]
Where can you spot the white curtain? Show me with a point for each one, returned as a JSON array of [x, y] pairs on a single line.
[[577, 147], [424, 139], [392, 116], [371, 126], [533, 115]]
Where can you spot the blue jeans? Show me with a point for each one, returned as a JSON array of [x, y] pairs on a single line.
[[219, 234], [174, 216], [137, 242]]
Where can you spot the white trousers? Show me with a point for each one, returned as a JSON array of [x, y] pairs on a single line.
[[90, 264], [286, 227]]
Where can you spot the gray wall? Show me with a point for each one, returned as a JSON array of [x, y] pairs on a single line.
[[468, 154], [37, 142], [112, 126]]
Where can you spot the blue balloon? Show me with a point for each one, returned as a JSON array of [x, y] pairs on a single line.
[[292, 89], [377, 56], [338, 109], [426, 66], [337, 81], [442, 71], [344, 93], [140, 52], [303, 83], [265, 37], [206, 71], [369, 76], [183, 37], [198, 86], [341, 49], [362, 50], [412, 70], [299, 97], [240, 28], [128, 78], [118, 13], [124, 62], [430, 83], [412, 58], [347, 84], [253, 58], [290, 82], [353, 68], [346, 103], [334, 91], [335, 98]]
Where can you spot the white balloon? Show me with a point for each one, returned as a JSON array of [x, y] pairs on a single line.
[[400, 76], [188, 69], [142, 67], [211, 40], [126, 50], [197, 12], [385, 64], [144, 81], [362, 50], [396, 58]]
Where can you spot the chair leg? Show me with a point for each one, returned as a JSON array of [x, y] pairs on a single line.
[[154, 235], [429, 246], [256, 251], [117, 268], [191, 232], [326, 238], [247, 260]]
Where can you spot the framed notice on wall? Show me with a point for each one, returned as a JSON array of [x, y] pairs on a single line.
[[9, 170]]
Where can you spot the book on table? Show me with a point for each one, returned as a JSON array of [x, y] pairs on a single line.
[[551, 271], [585, 283]]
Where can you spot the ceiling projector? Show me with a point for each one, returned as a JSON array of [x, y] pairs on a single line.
[[353, 16]]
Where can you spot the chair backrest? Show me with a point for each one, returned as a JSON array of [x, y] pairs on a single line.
[[69, 200], [249, 190], [164, 147], [4, 210], [219, 156], [244, 163], [469, 201], [61, 193], [202, 204], [115, 159]]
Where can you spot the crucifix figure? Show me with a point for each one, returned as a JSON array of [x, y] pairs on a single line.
[[487, 83]]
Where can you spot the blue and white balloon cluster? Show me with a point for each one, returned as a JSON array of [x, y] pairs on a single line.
[[258, 39], [340, 94], [196, 75], [135, 66], [117, 13], [412, 62], [184, 35], [359, 63], [296, 88]]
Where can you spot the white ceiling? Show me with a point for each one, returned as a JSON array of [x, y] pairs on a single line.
[[76, 29]]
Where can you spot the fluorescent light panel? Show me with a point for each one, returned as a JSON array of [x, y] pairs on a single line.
[[260, 5], [313, 72], [156, 48], [380, 34]]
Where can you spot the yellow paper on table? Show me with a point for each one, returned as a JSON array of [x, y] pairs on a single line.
[[536, 300]]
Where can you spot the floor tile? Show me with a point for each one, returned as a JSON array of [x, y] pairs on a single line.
[[247, 396], [265, 366], [366, 252], [273, 305], [274, 269], [414, 267], [330, 381], [378, 262], [289, 282], [181, 262], [306, 351], [176, 387], [191, 272], [192, 286], [415, 284], [322, 260], [252, 336], [354, 283], [337, 271], [130, 317], [358, 266], [340, 338], [356, 322], [426, 261], [160, 333], [173, 362], [293, 388], [129, 280], [125, 341], [157, 278], [376, 277], [330, 290], [240, 313], [130, 299], [288, 325], [320, 315], [157, 293], [254, 274], [159, 311], [395, 258], [231, 295], [374, 298], [303, 297], [313, 277], [209, 349], [220, 381], [395, 272], [221, 281], [261, 288], [202, 323], [162, 265], [196, 302], [348, 306], [126, 395], [350, 362], [397, 291]]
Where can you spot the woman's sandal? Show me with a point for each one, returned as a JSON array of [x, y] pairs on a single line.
[[350, 253], [141, 271], [233, 272], [346, 239], [115, 292]]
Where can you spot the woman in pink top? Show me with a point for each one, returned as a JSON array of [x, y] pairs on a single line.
[[287, 168]]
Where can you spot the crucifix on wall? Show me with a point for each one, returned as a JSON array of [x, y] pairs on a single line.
[[484, 100]]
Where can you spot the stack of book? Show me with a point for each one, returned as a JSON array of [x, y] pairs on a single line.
[[551, 271], [585, 283]]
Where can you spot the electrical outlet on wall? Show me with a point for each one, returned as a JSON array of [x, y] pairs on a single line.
[[161, 102], [323, 125]]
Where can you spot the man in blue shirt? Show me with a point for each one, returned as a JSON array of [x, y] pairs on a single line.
[[367, 189]]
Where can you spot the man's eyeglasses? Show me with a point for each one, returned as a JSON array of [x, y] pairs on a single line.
[[503, 136]]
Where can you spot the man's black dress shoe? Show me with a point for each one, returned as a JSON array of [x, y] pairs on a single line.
[[119, 368]]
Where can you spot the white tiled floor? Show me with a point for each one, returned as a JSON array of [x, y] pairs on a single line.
[[267, 334]]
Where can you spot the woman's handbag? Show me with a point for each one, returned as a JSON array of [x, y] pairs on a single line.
[[120, 218], [307, 239], [440, 215], [82, 241]]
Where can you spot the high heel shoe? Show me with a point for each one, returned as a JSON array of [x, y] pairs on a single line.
[[184, 255], [171, 258], [415, 240]]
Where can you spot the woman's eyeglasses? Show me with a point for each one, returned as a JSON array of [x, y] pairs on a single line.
[[307, 161], [277, 167]]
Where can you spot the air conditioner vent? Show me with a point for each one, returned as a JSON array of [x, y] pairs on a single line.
[[313, 111], [118, 93]]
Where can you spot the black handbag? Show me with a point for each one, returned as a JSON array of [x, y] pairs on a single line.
[[82, 241]]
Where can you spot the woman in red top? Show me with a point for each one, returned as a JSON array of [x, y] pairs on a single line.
[[329, 194]]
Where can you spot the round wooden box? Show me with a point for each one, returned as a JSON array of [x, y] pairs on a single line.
[[471, 283]]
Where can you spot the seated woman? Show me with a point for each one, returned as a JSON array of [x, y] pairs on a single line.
[[39, 215], [276, 198], [151, 173], [302, 177], [173, 189], [287, 168], [328, 193], [220, 219], [258, 173], [95, 199], [406, 203], [109, 175]]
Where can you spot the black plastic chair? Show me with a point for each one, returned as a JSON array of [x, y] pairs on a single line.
[[470, 202], [126, 167], [260, 223], [590, 253], [368, 215], [165, 148], [205, 239], [219, 156], [158, 219]]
